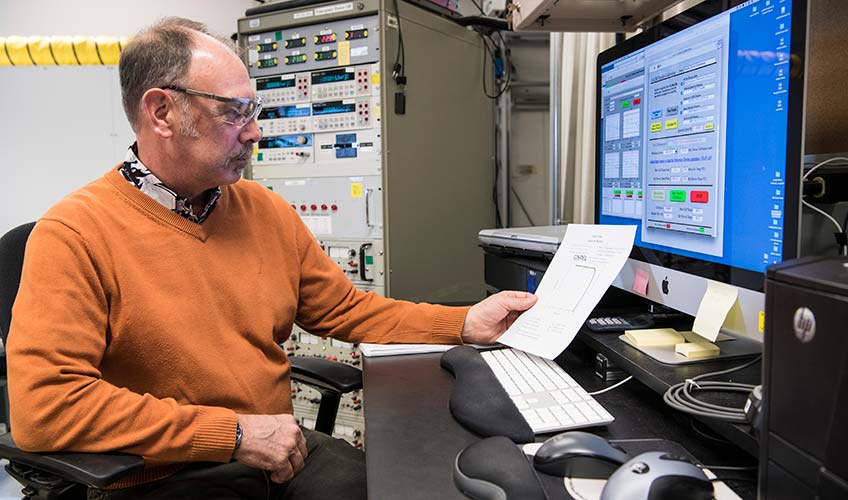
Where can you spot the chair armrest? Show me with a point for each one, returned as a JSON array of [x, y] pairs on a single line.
[[326, 374], [93, 469]]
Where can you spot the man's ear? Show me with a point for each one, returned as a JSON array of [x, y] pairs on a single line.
[[158, 111]]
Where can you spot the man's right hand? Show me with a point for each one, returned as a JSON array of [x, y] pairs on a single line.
[[273, 443]]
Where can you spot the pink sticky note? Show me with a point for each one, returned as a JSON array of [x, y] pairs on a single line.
[[640, 283]]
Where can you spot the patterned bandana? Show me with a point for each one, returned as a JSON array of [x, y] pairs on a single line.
[[138, 175]]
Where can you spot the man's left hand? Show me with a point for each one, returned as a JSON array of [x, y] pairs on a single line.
[[488, 319]]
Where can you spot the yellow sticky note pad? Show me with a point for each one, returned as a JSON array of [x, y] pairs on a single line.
[[761, 324], [356, 190], [656, 337], [697, 350], [671, 124], [344, 53], [713, 309], [375, 111], [375, 79], [656, 126]]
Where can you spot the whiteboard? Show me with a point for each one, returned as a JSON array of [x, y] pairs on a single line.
[[61, 128]]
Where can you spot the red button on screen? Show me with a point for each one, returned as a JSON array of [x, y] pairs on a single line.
[[699, 196]]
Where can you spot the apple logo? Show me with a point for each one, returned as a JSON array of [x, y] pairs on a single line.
[[665, 285]]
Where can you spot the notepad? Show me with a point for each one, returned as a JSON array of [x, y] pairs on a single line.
[[697, 350], [656, 337]]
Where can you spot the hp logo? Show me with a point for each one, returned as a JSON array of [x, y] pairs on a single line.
[[804, 324]]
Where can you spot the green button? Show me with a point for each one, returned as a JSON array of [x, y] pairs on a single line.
[[629, 192], [259, 157], [702, 230], [640, 193], [279, 35], [369, 259], [617, 191], [677, 195], [625, 104]]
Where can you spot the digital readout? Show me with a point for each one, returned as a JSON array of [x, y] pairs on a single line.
[[332, 76], [323, 39], [356, 34], [274, 83], [331, 108], [295, 43], [286, 141], [283, 112], [328, 55], [298, 59], [267, 63], [266, 47]]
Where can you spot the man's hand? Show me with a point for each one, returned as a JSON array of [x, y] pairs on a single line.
[[273, 443], [489, 318]]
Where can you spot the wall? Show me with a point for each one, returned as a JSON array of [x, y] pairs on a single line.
[[64, 126]]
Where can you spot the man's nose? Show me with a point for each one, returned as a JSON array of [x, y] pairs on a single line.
[[251, 132]]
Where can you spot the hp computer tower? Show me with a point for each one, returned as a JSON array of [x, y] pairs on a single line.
[[804, 443]]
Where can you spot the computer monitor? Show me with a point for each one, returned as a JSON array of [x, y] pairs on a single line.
[[699, 144]]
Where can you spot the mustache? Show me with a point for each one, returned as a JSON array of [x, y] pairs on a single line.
[[245, 153]]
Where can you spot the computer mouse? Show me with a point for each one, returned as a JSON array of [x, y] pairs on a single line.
[[657, 475], [496, 469], [579, 454]]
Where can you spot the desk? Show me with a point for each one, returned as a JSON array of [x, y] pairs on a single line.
[[412, 439]]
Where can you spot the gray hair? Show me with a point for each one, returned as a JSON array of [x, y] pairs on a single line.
[[158, 56]]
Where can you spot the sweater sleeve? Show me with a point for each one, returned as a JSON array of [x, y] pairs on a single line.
[[58, 337], [330, 305]]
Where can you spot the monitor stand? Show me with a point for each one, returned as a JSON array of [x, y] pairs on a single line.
[[731, 347]]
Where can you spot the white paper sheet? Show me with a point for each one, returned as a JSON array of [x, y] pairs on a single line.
[[377, 350], [583, 268]]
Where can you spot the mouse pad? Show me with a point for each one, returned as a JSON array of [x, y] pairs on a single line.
[[557, 488]]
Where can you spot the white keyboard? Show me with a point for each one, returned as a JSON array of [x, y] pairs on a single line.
[[548, 398]]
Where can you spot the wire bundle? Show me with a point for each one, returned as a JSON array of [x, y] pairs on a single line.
[[683, 397]]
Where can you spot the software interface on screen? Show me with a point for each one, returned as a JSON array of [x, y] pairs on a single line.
[[693, 138]]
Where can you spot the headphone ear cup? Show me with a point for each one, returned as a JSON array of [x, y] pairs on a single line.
[[495, 468]]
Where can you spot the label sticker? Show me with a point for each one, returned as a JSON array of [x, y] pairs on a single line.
[[356, 190], [344, 54]]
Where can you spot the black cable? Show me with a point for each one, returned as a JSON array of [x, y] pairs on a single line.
[[734, 479], [398, 69], [706, 436], [521, 204], [729, 467], [491, 54]]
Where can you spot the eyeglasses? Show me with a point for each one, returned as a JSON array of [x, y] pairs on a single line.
[[239, 115]]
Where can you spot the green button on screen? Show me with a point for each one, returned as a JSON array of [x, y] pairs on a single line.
[[678, 195]]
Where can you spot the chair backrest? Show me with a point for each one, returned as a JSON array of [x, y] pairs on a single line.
[[12, 246]]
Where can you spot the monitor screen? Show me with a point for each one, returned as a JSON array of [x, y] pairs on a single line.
[[699, 140]]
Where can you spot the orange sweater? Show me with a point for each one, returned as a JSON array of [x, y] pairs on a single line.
[[139, 331]]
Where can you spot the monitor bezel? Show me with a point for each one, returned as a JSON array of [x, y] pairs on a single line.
[[746, 278]]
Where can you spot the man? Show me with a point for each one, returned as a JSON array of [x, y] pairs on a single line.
[[153, 300]]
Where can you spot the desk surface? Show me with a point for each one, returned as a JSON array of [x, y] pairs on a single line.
[[412, 440]]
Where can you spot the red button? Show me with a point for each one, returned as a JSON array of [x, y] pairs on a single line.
[[314, 207], [303, 208], [334, 208], [637, 101], [699, 196], [323, 207]]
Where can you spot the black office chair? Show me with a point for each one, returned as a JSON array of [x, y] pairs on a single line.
[[67, 475]]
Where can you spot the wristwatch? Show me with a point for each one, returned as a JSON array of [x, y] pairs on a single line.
[[238, 436]]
